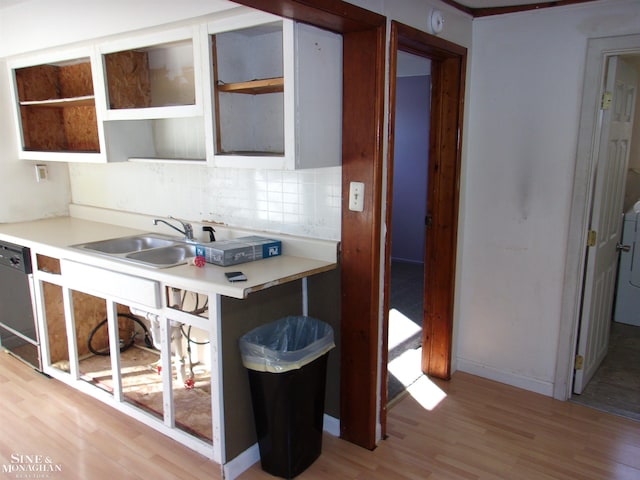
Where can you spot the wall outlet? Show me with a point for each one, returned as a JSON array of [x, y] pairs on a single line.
[[356, 196]]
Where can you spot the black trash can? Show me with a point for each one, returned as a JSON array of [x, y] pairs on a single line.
[[287, 365]]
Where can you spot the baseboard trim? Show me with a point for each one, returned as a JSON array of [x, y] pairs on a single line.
[[509, 378], [331, 425], [234, 468]]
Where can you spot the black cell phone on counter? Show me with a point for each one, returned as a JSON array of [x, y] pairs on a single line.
[[235, 276]]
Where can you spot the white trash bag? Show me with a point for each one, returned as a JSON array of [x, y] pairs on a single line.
[[286, 344]]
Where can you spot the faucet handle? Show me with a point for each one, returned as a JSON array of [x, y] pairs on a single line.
[[188, 228], [211, 230]]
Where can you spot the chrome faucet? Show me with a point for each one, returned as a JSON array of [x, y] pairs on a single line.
[[187, 228]]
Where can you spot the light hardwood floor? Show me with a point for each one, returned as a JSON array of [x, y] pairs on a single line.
[[480, 430]]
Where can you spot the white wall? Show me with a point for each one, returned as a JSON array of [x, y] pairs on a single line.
[[523, 111], [21, 196]]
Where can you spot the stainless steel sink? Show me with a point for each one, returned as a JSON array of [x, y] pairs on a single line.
[[150, 249], [163, 257], [127, 244]]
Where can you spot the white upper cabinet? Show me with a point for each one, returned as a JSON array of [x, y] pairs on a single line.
[[277, 94], [244, 90], [153, 106], [55, 97], [153, 76]]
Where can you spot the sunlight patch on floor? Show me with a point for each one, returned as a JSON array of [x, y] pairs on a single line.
[[426, 393], [406, 368], [401, 328]]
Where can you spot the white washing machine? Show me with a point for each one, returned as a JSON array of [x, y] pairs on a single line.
[[628, 294]]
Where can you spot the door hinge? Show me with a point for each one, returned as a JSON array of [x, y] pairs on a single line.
[[591, 238], [606, 101], [579, 362]]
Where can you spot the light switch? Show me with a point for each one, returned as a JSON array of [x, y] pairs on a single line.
[[356, 196], [41, 173]]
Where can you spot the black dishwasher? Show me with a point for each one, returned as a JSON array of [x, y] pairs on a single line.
[[18, 332]]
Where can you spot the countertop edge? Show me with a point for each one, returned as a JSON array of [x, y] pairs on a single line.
[[54, 237]]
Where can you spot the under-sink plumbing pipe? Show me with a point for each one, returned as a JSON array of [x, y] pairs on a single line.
[[176, 342], [154, 324]]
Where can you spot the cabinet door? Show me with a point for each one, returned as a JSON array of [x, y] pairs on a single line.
[[318, 97]]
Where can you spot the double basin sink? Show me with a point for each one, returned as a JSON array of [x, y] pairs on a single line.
[[149, 249]]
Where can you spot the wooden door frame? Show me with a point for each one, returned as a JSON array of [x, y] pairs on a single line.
[[448, 67]]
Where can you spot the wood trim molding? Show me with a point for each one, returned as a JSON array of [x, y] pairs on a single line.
[[384, 360], [363, 113], [442, 205], [334, 15], [447, 101], [459, 6], [488, 11]]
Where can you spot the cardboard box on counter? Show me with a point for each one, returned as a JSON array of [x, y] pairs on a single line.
[[239, 250]]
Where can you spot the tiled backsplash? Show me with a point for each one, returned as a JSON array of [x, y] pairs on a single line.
[[303, 202]]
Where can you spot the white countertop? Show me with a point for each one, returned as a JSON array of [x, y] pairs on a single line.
[[55, 236]]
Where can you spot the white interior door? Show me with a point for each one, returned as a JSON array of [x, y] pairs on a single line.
[[606, 219]]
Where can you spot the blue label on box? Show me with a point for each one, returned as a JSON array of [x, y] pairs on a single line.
[[271, 250]]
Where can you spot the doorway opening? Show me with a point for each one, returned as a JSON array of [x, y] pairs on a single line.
[[608, 341], [438, 218], [409, 211]]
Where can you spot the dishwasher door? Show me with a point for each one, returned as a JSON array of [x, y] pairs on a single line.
[[18, 332]]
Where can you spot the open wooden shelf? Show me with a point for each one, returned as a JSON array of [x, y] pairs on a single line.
[[57, 107], [254, 87]]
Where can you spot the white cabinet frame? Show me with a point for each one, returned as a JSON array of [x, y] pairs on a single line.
[[55, 57], [312, 98], [129, 131], [167, 426]]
